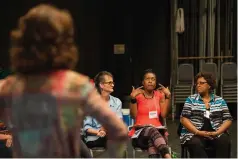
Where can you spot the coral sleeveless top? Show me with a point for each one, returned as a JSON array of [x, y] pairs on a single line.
[[148, 110]]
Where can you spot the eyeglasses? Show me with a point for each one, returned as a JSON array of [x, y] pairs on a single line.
[[200, 83], [110, 83]]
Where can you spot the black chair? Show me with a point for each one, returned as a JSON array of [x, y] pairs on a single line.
[[212, 68], [183, 87], [94, 149], [229, 82], [99, 149]]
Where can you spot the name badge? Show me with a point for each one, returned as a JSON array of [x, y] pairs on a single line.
[[153, 114], [207, 114]]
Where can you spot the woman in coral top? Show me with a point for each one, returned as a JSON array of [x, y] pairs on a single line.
[[147, 106]]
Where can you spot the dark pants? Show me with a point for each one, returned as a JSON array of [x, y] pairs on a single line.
[[5, 152], [221, 146], [100, 142]]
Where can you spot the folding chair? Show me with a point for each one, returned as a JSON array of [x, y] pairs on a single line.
[[135, 149], [97, 149], [94, 149], [103, 149], [229, 82], [212, 68], [183, 87], [138, 149]]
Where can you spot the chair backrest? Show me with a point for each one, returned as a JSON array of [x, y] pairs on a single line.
[[33, 121], [185, 74], [229, 73], [210, 67]]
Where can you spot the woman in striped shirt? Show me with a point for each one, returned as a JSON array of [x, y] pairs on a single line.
[[205, 118]]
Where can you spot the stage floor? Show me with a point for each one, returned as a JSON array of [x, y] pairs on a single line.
[[174, 142]]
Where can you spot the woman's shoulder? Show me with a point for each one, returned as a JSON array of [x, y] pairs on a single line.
[[115, 99], [78, 82], [140, 96], [194, 97], [77, 78], [6, 84], [218, 99]]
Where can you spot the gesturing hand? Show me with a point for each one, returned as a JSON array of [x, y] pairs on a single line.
[[136, 91], [166, 90]]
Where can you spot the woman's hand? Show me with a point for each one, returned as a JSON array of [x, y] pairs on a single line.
[[213, 134], [9, 141], [101, 133], [205, 134], [166, 91], [136, 91]]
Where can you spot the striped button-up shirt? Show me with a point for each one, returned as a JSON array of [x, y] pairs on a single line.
[[194, 109]]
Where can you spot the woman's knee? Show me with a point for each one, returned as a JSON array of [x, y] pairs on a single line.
[[195, 141], [154, 134], [224, 139]]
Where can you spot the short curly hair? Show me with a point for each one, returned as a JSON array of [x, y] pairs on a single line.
[[145, 72], [43, 41], [208, 76]]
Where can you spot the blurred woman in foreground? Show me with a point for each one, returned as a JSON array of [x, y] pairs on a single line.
[[45, 101]]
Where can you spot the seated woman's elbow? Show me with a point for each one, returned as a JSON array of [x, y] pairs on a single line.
[[229, 121], [182, 120]]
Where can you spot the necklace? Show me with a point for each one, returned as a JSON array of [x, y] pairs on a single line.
[[148, 96]]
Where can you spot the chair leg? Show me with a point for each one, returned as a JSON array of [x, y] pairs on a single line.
[[91, 152], [125, 154], [184, 152], [134, 153], [170, 151]]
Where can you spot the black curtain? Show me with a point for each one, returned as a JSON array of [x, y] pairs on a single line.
[[143, 26], [189, 40]]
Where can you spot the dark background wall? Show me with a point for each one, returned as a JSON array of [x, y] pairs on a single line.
[[143, 26]]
